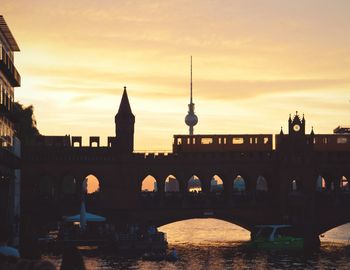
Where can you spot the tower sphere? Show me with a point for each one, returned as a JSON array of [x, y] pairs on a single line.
[[191, 119]]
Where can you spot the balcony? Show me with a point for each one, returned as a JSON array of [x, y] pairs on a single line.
[[8, 68]]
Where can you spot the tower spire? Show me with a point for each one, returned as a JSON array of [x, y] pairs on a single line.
[[191, 84], [191, 119]]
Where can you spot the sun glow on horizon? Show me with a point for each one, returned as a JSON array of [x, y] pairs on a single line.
[[253, 64]]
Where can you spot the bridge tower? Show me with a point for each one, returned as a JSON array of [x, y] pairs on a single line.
[[296, 141], [296, 125], [124, 125]]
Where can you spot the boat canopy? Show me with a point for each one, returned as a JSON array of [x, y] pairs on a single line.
[[89, 218]]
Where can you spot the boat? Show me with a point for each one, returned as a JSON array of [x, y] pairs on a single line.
[[276, 237], [156, 242]]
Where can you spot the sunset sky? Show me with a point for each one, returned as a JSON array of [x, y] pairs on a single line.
[[254, 62]]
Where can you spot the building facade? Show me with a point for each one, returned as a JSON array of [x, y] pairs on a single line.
[[9, 144]]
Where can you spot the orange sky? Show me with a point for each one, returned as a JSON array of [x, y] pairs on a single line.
[[254, 63]]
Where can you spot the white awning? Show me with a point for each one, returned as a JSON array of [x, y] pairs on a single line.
[[89, 218]]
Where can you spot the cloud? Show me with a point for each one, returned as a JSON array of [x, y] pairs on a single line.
[[253, 60], [88, 82]]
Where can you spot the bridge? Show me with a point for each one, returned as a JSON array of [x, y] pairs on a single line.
[[295, 178]]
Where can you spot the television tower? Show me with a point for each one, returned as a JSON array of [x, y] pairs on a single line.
[[191, 119]]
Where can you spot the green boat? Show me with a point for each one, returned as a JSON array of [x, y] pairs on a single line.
[[276, 237]]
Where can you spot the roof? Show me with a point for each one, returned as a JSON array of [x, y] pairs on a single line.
[[124, 107], [8, 35], [89, 218]]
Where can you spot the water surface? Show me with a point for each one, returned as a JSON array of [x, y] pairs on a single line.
[[214, 244]]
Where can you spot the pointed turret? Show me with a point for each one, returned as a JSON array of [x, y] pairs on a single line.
[[124, 107], [124, 125], [312, 131], [281, 132]]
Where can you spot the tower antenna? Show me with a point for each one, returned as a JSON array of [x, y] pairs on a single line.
[[191, 84]]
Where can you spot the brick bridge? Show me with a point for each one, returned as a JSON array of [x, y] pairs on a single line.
[[302, 180]]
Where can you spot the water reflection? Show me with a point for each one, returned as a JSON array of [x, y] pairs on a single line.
[[204, 231], [213, 244]]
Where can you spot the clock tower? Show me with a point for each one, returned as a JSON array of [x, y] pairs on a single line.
[[296, 125], [296, 141]]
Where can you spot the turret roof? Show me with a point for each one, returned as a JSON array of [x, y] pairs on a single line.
[[124, 107]]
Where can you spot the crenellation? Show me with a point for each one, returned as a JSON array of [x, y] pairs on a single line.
[[94, 141], [76, 140]]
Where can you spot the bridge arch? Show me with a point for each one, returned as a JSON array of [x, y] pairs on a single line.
[[261, 184], [166, 220], [239, 184], [81, 175], [172, 184], [93, 184], [295, 185], [216, 184], [149, 184], [194, 184], [344, 184], [329, 227], [321, 185]]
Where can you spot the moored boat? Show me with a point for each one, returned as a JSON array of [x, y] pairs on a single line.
[[276, 237]]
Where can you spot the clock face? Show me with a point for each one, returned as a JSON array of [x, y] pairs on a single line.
[[296, 128]]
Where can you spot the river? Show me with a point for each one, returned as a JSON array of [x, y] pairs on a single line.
[[214, 244]]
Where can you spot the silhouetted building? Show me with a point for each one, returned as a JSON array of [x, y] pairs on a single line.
[[9, 144], [340, 130]]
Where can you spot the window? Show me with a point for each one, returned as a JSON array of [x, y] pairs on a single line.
[[206, 140], [342, 140], [237, 140]]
